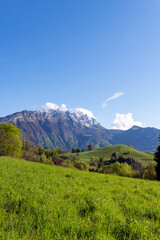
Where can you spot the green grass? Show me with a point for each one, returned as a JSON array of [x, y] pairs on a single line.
[[107, 152], [40, 201]]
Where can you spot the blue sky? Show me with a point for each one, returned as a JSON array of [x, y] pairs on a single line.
[[80, 53]]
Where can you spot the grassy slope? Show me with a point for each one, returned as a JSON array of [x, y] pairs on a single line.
[[107, 152], [45, 202]]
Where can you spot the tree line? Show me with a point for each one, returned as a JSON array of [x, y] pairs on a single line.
[[78, 150], [12, 144]]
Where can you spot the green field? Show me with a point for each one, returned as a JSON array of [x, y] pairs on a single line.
[[107, 152], [40, 201]]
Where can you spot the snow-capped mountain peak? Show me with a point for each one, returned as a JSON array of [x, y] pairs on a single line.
[[83, 112], [84, 116], [81, 115]]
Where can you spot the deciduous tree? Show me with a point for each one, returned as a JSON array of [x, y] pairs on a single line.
[[10, 141], [90, 147]]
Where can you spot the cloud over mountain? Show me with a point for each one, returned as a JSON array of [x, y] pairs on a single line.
[[125, 121], [63, 107], [52, 106], [78, 128]]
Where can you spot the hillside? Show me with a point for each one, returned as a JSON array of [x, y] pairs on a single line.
[[45, 202], [107, 152]]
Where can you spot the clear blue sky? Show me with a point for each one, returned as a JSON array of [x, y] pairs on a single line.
[[80, 53]]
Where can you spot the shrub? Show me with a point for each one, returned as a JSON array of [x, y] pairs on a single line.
[[82, 166], [42, 158], [121, 169], [126, 170], [113, 168], [30, 152], [68, 163], [86, 166], [114, 156], [150, 172], [94, 161], [73, 158], [30, 156]]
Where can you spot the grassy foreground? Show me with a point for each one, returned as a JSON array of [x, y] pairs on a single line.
[[45, 202], [124, 150]]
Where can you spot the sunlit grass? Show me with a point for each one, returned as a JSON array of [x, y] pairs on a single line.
[[124, 150], [46, 202]]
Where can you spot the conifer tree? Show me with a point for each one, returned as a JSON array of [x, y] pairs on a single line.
[[157, 159]]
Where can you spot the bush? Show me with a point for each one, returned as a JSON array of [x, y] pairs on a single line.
[[121, 169], [73, 158], [150, 172], [92, 169], [43, 158], [94, 161], [30, 152], [68, 163], [86, 166], [126, 170], [30, 156], [114, 156], [82, 166]]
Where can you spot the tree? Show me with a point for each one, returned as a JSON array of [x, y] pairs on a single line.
[[40, 151], [114, 156], [100, 161], [82, 166], [30, 151], [90, 147], [157, 160], [77, 150], [68, 163], [10, 141], [150, 172], [73, 150]]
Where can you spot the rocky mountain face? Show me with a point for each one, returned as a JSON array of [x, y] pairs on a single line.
[[67, 129], [55, 128]]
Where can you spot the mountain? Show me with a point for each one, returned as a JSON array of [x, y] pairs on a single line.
[[142, 139], [78, 128], [55, 128]]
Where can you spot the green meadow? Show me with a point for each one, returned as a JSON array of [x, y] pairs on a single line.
[[124, 150], [39, 201]]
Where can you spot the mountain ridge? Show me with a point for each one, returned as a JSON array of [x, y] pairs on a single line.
[[78, 128]]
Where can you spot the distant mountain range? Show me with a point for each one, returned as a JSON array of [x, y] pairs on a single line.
[[67, 129]]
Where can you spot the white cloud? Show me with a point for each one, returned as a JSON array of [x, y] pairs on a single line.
[[52, 106], [83, 111], [125, 121], [63, 107], [116, 95]]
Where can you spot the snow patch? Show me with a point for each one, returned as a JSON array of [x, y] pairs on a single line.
[[80, 115], [81, 111]]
